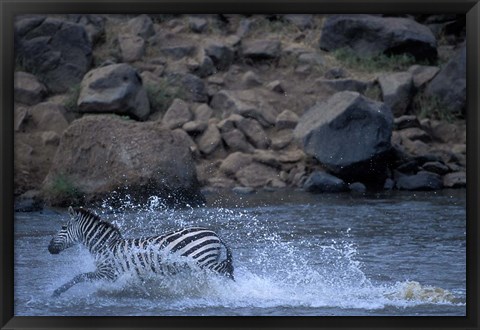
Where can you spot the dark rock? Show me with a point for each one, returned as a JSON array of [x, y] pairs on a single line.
[[28, 90], [370, 35], [202, 67], [59, 52], [114, 88], [250, 79], [93, 24], [177, 114], [455, 180], [397, 90], [194, 88], [179, 51], [197, 24], [349, 134], [421, 181], [322, 182], [221, 54], [261, 49], [449, 86], [357, 187], [28, 202], [276, 86], [122, 157], [409, 167], [336, 73], [389, 184]]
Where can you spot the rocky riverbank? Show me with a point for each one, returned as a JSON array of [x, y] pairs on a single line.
[[175, 105]]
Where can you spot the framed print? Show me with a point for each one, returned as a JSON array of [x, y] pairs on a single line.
[[239, 165]]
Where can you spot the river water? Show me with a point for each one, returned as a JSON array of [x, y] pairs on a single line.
[[294, 253]]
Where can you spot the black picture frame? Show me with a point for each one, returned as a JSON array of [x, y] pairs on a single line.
[[11, 8]]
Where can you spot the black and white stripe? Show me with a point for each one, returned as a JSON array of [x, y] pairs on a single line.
[[164, 254]]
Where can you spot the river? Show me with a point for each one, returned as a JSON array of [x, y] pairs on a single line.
[[393, 253]]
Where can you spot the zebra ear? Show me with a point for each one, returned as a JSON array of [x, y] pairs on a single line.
[[71, 211]]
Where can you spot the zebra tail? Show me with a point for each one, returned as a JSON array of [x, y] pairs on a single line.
[[228, 264]]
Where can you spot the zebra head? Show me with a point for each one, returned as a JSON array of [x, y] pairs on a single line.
[[67, 236]]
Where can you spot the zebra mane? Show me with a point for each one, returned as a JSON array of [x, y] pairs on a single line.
[[84, 213]]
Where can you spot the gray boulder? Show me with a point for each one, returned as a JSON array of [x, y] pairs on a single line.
[[371, 35], [349, 134], [397, 90], [322, 182], [124, 157], [423, 180], [115, 88], [58, 51], [449, 86], [261, 49]]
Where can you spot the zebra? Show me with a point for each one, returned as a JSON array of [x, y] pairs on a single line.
[[163, 255]]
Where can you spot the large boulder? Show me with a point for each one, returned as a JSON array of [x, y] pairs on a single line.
[[115, 88], [103, 155], [371, 35], [349, 134], [449, 86], [58, 52]]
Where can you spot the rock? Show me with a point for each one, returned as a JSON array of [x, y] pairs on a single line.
[[422, 74], [389, 184], [177, 114], [195, 127], [243, 190], [302, 21], [291, 156], [261, 49], [415, 133], [357, 187], [423, 180], [455, 180], [349, 134], [254, 133], [178, 51], [197, 24], [250, 79], [93, 24], [286, 119], [28, 202], [336, 73], [448, 132], [281, 139], [449, 87], [28, 90], [141, 26], [397, 90], [100, 155], [276, 86], [236, 141], [436, 167], [341, 85], [202, 67], [203, 112], [267, 157], [229, 123], [132, 47], [209, 140], [369, 35], [235, 162], [45, 116], [322, 182], [58, 51], [406, 121], [246, 103], [311, 59], [221, 54], [194, 88], [115, 88], [256, 175]]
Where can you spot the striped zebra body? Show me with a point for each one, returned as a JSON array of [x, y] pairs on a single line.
[[166, 254]]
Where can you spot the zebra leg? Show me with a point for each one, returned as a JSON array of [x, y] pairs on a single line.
[[91, 276]]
